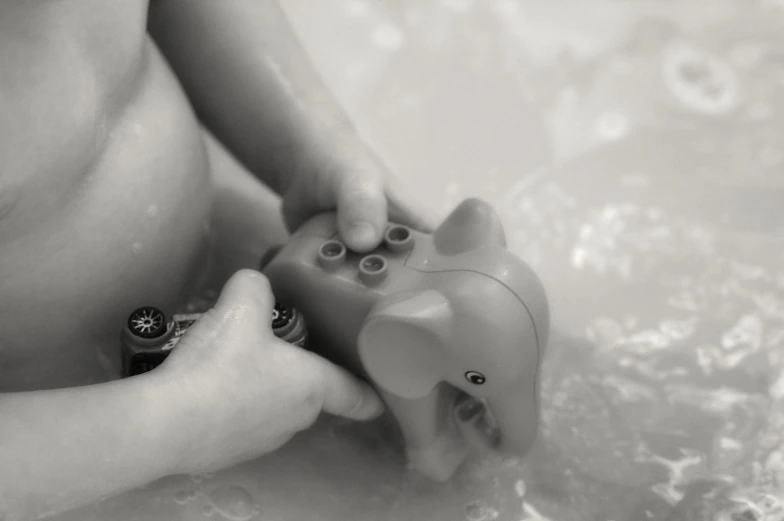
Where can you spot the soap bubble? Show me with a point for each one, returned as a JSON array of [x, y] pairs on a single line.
[[701, 81], [233, 502]]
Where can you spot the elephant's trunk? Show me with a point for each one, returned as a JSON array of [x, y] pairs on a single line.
[[510, 428], [517, 422]]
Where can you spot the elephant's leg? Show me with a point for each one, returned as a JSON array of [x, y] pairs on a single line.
[[434, 447]]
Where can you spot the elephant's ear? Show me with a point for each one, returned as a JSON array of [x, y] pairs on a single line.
[[402, 342], [471, 225]]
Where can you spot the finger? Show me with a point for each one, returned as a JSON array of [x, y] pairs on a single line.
[[362, 210], [246, 296], [343, 394]]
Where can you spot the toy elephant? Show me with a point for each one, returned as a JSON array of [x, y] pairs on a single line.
[[447, 326]]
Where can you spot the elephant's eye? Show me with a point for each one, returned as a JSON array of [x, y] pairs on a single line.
[[475, 378]]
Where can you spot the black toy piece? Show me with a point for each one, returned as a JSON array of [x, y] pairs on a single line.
[[148, 337]]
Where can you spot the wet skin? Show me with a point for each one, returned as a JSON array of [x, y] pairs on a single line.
[[107, 188]]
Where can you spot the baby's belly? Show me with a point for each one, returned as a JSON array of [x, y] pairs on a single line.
[[134, 231]]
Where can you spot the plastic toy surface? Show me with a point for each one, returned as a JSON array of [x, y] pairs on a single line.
[[450, 327], [148, 337]]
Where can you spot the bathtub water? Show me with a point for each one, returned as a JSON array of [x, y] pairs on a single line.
[[635, 151]]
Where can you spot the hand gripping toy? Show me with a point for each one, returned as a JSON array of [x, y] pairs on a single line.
[[451, 328], [148, 337]]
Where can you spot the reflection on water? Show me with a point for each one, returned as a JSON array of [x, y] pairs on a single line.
[[635, 152], [233, 502]]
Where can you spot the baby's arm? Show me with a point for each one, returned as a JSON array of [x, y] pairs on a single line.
[[63, 448], [252, 83], [230, 392], [255, 87]]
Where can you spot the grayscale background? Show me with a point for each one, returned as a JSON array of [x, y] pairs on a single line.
[[635, 152]]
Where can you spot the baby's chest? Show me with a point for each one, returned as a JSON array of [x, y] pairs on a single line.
[[37, 355], [61, 327], [67, 69]]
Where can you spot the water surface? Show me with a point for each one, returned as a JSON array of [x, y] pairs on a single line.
[[635, 152]]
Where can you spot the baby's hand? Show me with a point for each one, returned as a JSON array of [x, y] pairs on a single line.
[[354, 181], [240, 392]]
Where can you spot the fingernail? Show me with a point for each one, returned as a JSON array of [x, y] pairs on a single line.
[[369, 407], [362, 235]]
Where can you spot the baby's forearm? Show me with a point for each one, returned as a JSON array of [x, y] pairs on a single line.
[[251, 82], [63, 448]]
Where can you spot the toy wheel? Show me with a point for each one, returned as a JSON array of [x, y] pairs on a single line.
[[147, 322], [281, 316]]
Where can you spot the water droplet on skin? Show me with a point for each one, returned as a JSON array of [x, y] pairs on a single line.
[[207, 510], [181, 497], [233, 502], [137, 247]]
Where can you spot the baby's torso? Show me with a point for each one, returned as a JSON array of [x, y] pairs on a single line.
[[104, 187]]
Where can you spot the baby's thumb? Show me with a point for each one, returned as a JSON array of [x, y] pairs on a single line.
[[246, 296]]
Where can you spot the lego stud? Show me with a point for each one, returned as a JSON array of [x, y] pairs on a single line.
[[399, 239], [331, 255], [373, 269]]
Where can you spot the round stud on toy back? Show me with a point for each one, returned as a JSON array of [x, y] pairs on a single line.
[[331, 255], [399, 239], [373, 269]]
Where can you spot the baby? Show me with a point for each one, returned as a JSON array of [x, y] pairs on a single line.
[[119, 187]]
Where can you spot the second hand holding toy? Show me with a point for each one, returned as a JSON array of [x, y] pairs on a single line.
[[450, 328]]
